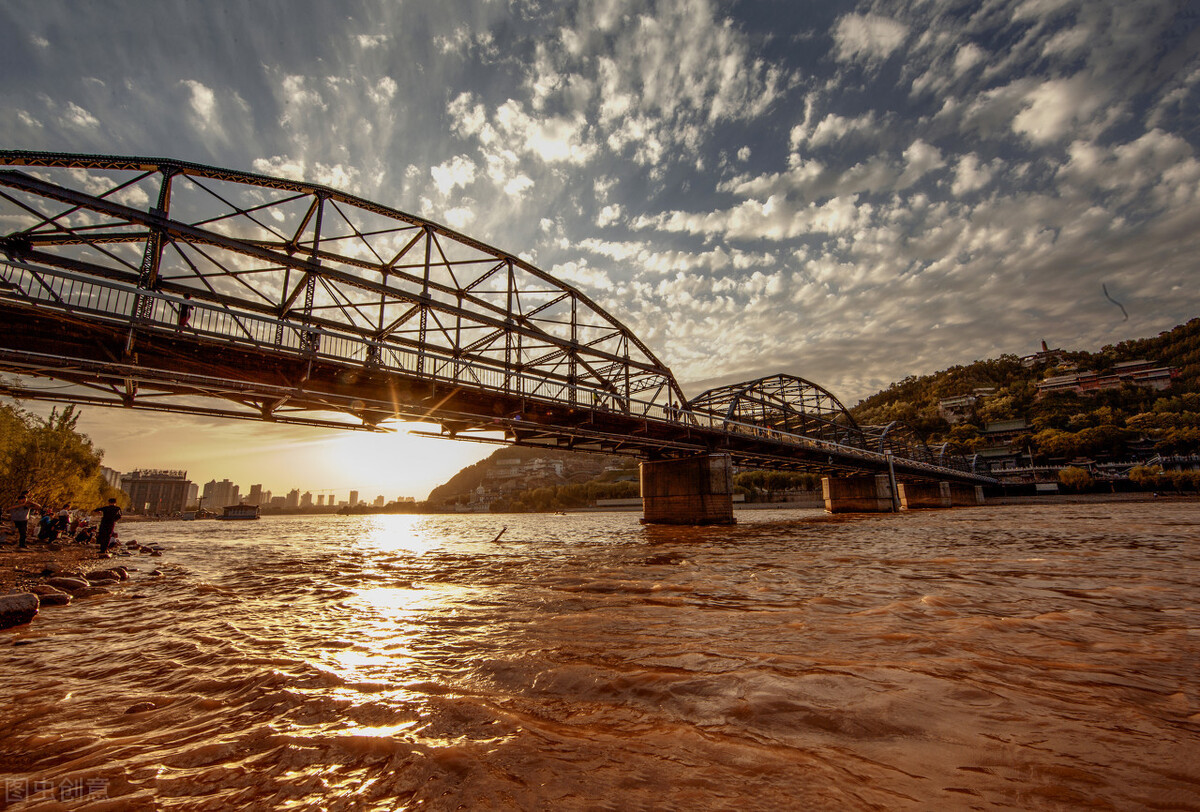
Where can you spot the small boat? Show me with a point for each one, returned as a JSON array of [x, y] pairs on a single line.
[[240, 512]]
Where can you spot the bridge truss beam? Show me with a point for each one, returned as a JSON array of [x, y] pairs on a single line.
[[165, 285]]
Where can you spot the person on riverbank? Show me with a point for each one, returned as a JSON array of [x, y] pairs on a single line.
[[19, 514], [110, 514], [62, 520]]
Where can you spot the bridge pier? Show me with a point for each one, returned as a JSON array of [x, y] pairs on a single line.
[[915, 495], [695, 490], [858, 494], [965, 495]]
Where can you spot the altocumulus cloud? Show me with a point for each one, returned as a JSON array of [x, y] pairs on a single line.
[[849, 191]]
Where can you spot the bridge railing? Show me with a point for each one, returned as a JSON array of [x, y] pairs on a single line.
[[120, 303]]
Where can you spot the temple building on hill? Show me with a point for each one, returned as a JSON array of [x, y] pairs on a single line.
[[1136, 373], [1046, 356]]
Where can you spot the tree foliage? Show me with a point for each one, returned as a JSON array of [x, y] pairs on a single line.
[[48, 457], [1077, 479]]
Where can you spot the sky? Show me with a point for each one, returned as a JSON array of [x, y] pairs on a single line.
[[851, 192]]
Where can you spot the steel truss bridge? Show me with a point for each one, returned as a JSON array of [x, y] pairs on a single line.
[[152, 283]]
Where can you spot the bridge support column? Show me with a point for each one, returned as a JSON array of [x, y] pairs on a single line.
[[858, 494], [915, 495], [966, 495], [696, 490]]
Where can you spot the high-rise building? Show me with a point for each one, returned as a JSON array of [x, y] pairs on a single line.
[[111, 476], [293, 498], [193, 495], [220, 494], [156, 492], [255, 496], [379, 500], [320, 500], [353, 498], [306, 499]]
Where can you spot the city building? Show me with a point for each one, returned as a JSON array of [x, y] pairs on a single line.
[[353, 498], [320, 500], [379, 500], [111, 476], [220, 494], [256, 495], [156, 492], [306, 499], [193, 495], [293, 498]]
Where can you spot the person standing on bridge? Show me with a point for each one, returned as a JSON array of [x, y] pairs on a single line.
[[110, 514], [185, 311]]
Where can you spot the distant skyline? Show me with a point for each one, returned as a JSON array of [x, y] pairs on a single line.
[[852, 192]]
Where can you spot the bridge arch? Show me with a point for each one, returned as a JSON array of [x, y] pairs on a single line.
[[305, 270], [783, 402]]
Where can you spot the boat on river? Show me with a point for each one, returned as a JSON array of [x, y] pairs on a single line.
[[240, 512]]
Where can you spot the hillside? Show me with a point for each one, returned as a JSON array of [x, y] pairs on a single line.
[[576, 467], [1107, 424]]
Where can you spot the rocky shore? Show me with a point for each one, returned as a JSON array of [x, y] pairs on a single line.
[[57, 574]]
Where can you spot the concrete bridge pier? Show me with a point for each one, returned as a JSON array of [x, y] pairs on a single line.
[[966, 495], [694, 490], [858, 494], [914, 495]]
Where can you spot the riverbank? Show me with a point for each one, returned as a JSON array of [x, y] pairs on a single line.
[[21, 569], [57, 574]]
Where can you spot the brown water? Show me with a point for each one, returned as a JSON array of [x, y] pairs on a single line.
[[1038, 657]]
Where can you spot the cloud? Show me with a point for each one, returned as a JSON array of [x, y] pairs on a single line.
[[1053, 109], [867, 38], [969, 175], [369, 41], [459, 171], [608, 215], [834, 127], [76, 116]]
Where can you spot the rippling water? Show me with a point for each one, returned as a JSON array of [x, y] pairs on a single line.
[[1040, 657]]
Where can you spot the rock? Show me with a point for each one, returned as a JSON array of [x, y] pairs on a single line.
[[91, 591], [131, 544], [49, 596], [156, 573], [68, 584], [54, 545], [103, 581], [141, 707], [114, 574], [17, 609]]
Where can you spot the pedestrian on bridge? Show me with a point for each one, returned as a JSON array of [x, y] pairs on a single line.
[[185, 311]]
